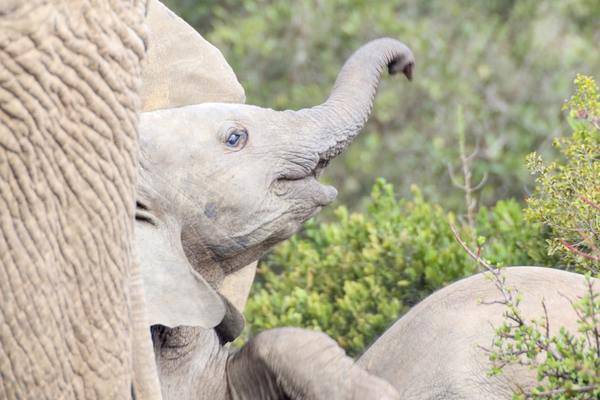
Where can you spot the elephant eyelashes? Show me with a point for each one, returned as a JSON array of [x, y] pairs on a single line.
[[142, 214], [237, 138]]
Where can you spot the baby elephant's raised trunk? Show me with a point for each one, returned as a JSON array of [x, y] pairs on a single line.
[[345, 112]]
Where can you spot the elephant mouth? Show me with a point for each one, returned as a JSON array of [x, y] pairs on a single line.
[[299, 172], [320, 167], [304, 184]]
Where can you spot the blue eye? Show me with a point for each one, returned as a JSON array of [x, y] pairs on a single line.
[[237, 138], [233, 139]]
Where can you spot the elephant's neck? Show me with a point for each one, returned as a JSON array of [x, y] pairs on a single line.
[[191, 363]]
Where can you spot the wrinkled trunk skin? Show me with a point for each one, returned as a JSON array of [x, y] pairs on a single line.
[[69, 80], [337, 121]]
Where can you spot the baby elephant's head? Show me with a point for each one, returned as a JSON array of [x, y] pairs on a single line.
[[222, 183]]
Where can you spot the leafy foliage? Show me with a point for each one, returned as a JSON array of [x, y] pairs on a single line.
[[567, 196], [354, 276], [566, 199], [567, 364]]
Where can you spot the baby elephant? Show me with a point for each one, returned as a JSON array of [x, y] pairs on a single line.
[[219, 184]]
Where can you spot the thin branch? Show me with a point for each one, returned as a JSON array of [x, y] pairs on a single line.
[[575, 250], [471, 254], [499, 282], [572, 389], [596, 329], [589, 202], [482, 182], [546, 319], [453, 178]]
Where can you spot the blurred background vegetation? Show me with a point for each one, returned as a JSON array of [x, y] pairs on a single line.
[[509, 64], [490, 80]]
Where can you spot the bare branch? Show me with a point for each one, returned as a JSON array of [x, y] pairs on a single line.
[[474, 256], [546, 319], [572, 389], [575, 250], [589, 202], [482, 182]]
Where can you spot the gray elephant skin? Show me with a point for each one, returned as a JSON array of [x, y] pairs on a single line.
[[211, 212], [218, 185], [72, 316], [73, 321], [437, 350]]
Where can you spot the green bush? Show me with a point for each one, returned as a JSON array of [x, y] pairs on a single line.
[[567, 364], [354, 276], [567, 195], [567, 200]]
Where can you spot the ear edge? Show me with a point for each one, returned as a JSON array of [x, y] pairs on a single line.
[[175, 294]]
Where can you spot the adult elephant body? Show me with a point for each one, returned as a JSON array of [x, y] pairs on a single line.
[[435, 352], [71, 314]]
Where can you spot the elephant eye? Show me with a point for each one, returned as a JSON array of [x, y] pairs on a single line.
[[237, 138]]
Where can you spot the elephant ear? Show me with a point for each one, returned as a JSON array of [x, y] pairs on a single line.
[[182, 68], [176, 295]]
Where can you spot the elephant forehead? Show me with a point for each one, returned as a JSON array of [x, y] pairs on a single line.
[[195, 124], [207, 117]]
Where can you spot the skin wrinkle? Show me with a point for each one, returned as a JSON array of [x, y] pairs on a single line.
[[54, 85], [102, 111], [99, 214], [109, 94], [103, 168], [34, 328], [188, 203], [205, 362], [26, 322], [87, 141], [66, 199], [25, 235], [107, 197], [35, 119]]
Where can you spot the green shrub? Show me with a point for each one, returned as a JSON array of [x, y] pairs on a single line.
[[567, 364], [354, 276], [566, 199], [567, 195]]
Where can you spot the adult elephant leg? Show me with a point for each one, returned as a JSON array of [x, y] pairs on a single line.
[[69, 77]]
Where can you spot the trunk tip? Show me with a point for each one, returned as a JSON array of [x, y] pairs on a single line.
[[406, 66]]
